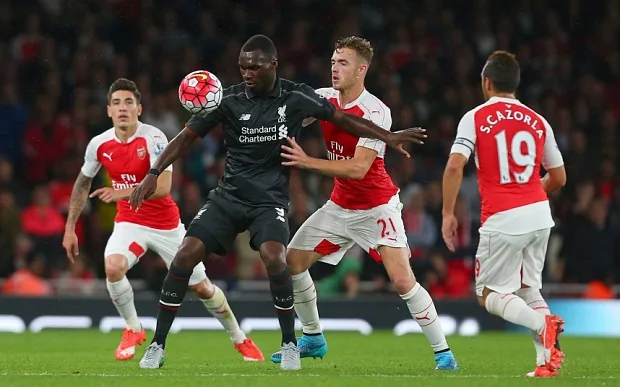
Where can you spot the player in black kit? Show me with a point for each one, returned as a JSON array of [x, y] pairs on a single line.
[[258, 116]]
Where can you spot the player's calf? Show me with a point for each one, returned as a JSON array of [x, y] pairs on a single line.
[[216, 303], [304, 290], [281, 286], [175, 285], [121, 293], [419, 303], [535, 301], [312, 343]]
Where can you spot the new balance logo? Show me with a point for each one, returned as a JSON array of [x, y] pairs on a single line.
[[108, 156], [245, 117], [280, 217], [282, 132]]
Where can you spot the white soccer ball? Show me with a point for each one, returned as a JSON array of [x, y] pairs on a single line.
[[200, 92]]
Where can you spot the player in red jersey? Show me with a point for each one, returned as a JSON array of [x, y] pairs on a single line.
[[364, 208], [127, 152], [510, 142]]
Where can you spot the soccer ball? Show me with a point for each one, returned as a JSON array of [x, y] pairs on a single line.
[[200, 92]]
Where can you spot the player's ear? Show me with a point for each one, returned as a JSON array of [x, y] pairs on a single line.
[[363, 69], [109, 111], [274, 64], [488, 85], [139, 109]]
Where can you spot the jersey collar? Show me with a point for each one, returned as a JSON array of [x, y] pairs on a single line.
[[275, 93], [513, 101], [130, 139], [355, 102]]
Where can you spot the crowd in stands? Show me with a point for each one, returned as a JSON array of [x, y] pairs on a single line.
[[58, 58]]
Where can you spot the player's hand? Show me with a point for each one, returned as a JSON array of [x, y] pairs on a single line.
[[106, 195], [143, 191], [398, 139], [294, 154], [70, 244], [449, 225]]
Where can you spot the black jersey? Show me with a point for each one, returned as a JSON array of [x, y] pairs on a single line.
[[255, 128]]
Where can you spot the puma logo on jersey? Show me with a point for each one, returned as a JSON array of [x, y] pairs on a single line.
[[108, 155]]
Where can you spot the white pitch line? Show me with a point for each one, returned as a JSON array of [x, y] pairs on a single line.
[[266, 375]]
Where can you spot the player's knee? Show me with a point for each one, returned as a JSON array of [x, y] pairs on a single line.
[[482, 300], [300, 261], [190, 253], [204, 290], [403, 283], [116, 267], [273, 255]]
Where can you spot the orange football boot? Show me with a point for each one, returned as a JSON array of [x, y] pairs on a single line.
[[544, 371], [249, 350], [127, 348]]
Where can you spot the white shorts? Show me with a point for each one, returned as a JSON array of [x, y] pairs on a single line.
[[132, 241], [333, 230], [504, 262]]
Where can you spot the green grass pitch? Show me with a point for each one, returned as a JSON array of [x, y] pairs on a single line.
[[86, 358]]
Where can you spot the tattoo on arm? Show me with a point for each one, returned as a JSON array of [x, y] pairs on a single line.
[[81, 188]]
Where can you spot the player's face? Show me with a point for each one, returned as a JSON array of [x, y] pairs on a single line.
[[257, 70], [124, 109], [347, 69]]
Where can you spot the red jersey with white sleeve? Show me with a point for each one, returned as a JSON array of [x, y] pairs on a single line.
[[376, 188], [127, 164], [510, 142]]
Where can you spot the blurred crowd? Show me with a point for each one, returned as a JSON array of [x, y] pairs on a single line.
[[58, 58]]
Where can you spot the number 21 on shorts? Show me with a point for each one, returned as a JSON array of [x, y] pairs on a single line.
[[387, 227]]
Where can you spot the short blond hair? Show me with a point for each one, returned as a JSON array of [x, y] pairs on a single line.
[[361, 46]]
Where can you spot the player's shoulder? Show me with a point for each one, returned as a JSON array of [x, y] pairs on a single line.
[[234, 91], [149, 131], [289, 86], [373, 103], [534, 114], [101, 139]]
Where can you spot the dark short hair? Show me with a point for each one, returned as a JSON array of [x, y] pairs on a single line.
[[361, 46], [503, 70], [261, 43], [124, 84]]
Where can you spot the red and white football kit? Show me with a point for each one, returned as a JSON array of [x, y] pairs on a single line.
[[365, 212], [157, 226], [510, 142]]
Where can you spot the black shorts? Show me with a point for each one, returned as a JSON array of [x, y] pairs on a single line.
[[220, 220]]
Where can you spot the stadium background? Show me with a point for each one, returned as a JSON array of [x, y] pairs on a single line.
[[58, 59]]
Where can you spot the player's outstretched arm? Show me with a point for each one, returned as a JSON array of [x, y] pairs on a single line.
[[355, 168], [364, 128], [170, 154], [79, 195]]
